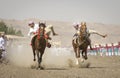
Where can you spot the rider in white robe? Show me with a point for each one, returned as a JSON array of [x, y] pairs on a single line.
[[89, 32], [34, 28]]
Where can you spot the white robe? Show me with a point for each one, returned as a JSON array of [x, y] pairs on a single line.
[[33, 30], [36, 27], [2, 43]]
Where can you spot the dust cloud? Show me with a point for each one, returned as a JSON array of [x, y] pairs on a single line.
[[20, 53]]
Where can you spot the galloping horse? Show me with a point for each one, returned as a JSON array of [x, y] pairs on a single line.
[[80, 44], [39, 44]]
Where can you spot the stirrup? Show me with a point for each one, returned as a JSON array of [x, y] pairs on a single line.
[[48, 45]]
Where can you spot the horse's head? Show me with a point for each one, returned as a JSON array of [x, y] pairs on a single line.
[[42, 25], [83, 29], [41, 29]]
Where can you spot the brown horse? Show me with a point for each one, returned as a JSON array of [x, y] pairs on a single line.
[[39, 45], [80, 44]]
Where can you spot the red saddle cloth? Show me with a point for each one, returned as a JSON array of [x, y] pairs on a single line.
[[38, 34]]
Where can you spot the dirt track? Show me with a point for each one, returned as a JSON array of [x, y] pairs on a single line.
[[101, 67], [56, 64]]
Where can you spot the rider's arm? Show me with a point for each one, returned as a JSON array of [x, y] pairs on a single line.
[[36, 27], [95, 32], [92, 31], [30, 31]]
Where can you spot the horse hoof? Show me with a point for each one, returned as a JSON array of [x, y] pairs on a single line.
[[37, 68], [42, 68], [34, 59], [86, 58], [48, 45]]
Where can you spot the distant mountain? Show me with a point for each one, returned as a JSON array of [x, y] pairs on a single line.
[[66, 30]]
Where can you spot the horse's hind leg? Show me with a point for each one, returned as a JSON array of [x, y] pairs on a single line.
[[84, 55]]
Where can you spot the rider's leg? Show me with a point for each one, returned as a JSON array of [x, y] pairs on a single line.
[[75, 36], [52, 29], [47, 43], [90, 43]]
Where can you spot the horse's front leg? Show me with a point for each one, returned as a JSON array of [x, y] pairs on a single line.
[[41, 55], [38, 58], [34, 54], [77, 55], [75, 50], [78, 52]]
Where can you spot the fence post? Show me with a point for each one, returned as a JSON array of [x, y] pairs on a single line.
[[113, 49], [118, 48], [100, 52], [107, 53]]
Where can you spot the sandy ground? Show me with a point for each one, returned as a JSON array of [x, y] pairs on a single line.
[[101, 67], [58, 64]]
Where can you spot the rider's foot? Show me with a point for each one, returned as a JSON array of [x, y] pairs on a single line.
[[48, 45], [55, 34], [104, 35], [49, 38]]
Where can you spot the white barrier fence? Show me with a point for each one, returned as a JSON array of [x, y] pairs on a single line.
[[112, 49]]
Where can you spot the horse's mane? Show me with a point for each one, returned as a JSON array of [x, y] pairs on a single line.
[[42, 24]]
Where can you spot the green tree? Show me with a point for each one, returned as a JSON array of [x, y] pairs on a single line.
[[3, 27], [11, 31], [19, 33]]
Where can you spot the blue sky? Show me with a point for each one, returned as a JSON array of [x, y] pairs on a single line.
[[101, 11]]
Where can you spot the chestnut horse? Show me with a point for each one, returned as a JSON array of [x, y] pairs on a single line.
[[39, 45], [80, 44]]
